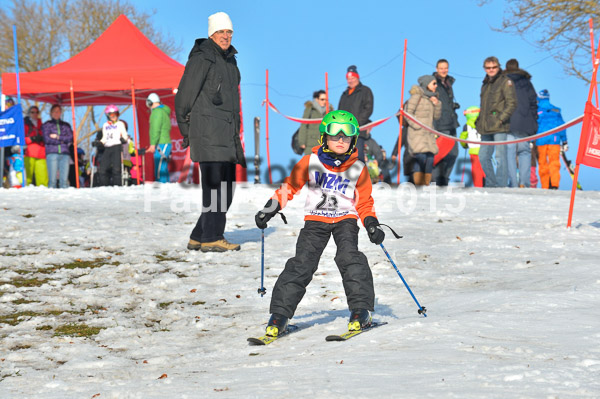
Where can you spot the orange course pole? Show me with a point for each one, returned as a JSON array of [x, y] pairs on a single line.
[[135, 145], [267, 129], [593, 57], [76, 156], [401, 109]]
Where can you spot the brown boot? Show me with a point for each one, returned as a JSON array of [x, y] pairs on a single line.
[[418, 178], [427, 179], [194, 245], [219, 246]]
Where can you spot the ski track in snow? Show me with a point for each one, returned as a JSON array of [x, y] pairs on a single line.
[[513, 298]]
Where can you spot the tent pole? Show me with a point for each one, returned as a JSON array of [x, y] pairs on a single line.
[[75, 155], [137, 175], [21, 145]]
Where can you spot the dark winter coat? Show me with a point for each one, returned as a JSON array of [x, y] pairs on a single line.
[[498, 102], [207, 104], [359, 104], [449, 120], [59, 145], [309, 134], [523, 121]]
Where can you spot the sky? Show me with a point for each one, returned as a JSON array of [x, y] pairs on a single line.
[[512, 298], [299, 43]]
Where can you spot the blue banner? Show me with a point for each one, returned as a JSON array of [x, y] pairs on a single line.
[[12, 128]]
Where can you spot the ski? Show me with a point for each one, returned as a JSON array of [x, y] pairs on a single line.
[[350, 334], [570, 168], [267, 339]]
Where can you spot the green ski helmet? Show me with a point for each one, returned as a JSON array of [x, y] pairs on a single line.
[[471, 112], [336, 122]]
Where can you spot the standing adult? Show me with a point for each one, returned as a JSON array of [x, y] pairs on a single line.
[[358, 100], [447, 123], [160, 137], [207, 106], [425, 106], [35, 152], [309, 134], [58, 135], [498, 102], [549, 147], [523, 123]]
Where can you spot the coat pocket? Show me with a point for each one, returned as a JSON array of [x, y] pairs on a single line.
[[494, 124], [217, 129]]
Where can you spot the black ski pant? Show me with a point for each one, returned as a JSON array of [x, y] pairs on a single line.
[[298, 272], [218, 182], [443, 170], [109, 171]]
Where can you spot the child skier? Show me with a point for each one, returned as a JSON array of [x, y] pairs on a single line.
[[339, 192], [114, 134]]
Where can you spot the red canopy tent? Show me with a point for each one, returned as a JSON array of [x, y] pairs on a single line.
[[122, 66]]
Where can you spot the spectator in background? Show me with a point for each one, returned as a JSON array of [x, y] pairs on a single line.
[[549, 147], [358, 100], [523, 123], [470, 133], [58, 135], [424, 105], [447, 123], [498, 102], [35, 152], [114, 135], [16, 167], [309, 134], [160, 137]]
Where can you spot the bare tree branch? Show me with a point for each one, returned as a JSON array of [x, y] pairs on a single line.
[[557, 26]]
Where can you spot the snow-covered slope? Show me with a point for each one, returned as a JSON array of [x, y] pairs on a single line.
[[513, 299]]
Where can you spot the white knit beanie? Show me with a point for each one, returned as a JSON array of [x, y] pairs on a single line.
[[219, 21]]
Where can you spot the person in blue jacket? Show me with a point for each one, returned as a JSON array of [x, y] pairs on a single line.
[[549, 147]]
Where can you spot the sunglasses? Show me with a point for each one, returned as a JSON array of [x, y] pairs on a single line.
[[342, 136], [34, 112], [492, 67], [335, 128]]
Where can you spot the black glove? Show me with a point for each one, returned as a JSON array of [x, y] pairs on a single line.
[[123, 140], [186, 143], [98, 144], [376, 235], [262, 217], [37, 139]]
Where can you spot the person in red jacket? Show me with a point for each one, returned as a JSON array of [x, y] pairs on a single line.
[[35, 152], [339, 194]]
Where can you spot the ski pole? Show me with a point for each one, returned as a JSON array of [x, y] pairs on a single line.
[[262, 291], [462, 177], [422, 309]]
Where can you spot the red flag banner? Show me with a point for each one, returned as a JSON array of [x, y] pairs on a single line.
[[589, 142]]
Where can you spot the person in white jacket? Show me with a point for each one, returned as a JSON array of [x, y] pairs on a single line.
[[114, 134]]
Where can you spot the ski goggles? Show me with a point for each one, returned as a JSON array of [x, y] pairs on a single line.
[[337, 137], [335, 128]]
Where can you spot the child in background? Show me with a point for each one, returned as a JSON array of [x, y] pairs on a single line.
[[339, 192], [16, 167], [470, 133]]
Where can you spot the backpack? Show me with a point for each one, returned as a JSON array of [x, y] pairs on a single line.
[[296, 143]]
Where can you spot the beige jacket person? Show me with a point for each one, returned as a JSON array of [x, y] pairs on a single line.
[[422, 108]]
